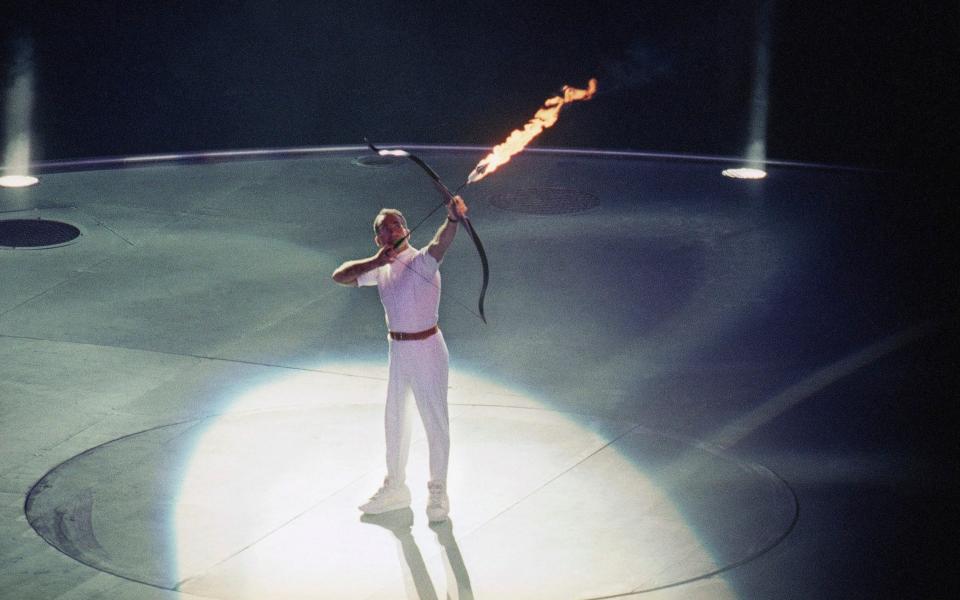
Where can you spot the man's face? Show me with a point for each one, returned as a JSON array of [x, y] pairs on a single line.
[[390, 230]]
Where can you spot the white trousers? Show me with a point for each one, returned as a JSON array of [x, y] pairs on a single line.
[[421, 367]]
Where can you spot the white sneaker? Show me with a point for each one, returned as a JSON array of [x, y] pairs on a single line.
[[438, 506], [388, 497]]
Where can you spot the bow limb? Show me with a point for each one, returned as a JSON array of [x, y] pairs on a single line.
[[483, 263], [445, 191]]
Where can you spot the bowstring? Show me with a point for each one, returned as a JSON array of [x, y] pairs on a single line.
[[430, 279], [429, 214], [421, 222], [437, 287]]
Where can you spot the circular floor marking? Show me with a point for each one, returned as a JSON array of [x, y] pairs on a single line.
[[544, 505], [377, 161]]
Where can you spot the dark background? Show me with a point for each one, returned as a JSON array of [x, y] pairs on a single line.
[[851, 82]]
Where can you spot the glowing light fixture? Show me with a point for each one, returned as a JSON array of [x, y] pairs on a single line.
[[745, 173], [19, 107], [756, 151], [18, 181]]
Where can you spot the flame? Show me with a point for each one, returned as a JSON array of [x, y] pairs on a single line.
[[519, 138]]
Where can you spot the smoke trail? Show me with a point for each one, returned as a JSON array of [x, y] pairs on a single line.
[[642, 64]]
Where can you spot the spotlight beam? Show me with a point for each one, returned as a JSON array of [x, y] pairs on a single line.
[[17, 118]]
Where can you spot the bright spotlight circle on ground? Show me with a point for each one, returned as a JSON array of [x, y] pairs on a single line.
[[259, 499], [18, 181], [745, 173]]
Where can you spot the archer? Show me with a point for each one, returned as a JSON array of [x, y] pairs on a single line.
[[408, 281]]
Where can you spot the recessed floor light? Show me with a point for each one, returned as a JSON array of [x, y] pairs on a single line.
[[17, 181], [745, 173]]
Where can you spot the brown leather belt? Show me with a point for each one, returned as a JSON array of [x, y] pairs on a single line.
[[419, 335]]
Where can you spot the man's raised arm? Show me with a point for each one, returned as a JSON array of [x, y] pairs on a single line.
[[456, 209]]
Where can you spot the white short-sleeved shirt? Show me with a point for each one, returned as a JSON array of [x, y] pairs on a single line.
[[409, 290]]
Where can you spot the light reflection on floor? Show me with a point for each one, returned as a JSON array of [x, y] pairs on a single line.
[[543, 506], [260, 501]]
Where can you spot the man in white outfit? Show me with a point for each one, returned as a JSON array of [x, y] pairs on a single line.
[[409, 284]]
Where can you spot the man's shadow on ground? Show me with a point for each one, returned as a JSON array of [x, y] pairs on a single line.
[[400, 523]]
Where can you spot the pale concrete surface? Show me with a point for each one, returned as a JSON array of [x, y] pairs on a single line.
[[789, 326]]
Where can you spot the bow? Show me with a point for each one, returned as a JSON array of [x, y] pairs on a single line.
[[445, 191]]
